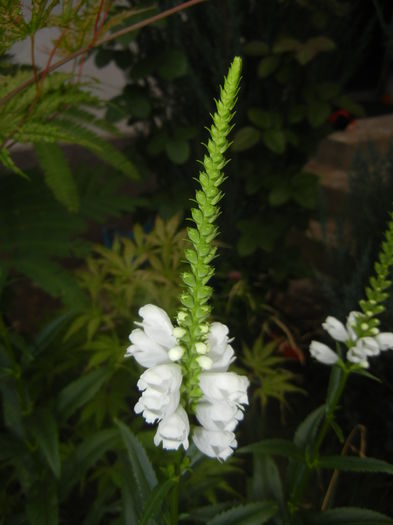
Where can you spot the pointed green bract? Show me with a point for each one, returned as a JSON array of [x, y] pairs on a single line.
[[195, 298]]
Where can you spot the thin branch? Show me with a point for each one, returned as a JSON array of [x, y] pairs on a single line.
[[361, 429], [104, 40]]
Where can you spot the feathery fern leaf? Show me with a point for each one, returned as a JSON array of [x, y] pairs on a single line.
[[58, 174], [7, 162], [36, 231]]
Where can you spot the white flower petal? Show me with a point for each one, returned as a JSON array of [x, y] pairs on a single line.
[[323, 353], [173, 430], [335, 329], [351, 323], [146, 352], [385, 340], [218, 415], [157, 325], [160, 388], [224, 386], [220, 351], [215, 444], [369, 345], [357, 354]]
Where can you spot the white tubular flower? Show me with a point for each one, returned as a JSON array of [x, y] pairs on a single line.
[[220, 351], [160, 388], [224, 386], [358, 355], [173, 430], [219, 416], [335, 329], [157, 325], [151, 344], [213, 443], [351, 323], [369, 345], [323, 353], [385, 341]]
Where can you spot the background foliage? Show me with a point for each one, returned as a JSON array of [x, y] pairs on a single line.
[[68, 446]]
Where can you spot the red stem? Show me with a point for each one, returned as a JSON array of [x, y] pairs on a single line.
[[104, 40]]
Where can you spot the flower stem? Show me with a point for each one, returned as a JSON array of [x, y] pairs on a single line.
[[305, 469]]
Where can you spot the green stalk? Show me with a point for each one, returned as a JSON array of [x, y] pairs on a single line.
[[195, 311], [306, 468]]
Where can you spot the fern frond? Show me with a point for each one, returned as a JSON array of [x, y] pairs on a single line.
[[7, 162], [58, 175], [12, 27]]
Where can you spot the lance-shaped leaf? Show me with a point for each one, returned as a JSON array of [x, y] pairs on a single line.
[[250, 514], [43, 427], [274, 447], [347, 516], [355, 464], [142, 469]]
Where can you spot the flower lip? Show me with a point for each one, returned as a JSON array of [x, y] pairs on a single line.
[[146, 351], [213, 443], [385, 340], [173, 430], [157, 325]]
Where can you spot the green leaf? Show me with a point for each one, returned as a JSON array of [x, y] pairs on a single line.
[[347, 516], [43, 427], [178, 150], [86, 454], [285, 45], [275, 447], [275, 140], [267, 66], [49, 276], [313, 47], [266, 480], [255, 48], [80, 391], [7, 162], [154, 503], [355, 464], [327, 90], [318, 112], [259, 117], [42, 503], [103, 57], [245, 138], [279, 195], [173, 65], [128, 492], [142, 469], [304, 188], [306, 431], [58, 174], [296, 114], [250, 514], [350, 105], [335, 379]]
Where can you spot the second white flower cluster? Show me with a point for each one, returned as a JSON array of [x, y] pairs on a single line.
[[224, 394], [359, 348]]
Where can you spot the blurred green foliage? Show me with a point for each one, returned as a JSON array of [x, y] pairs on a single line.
[[292, 82]]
